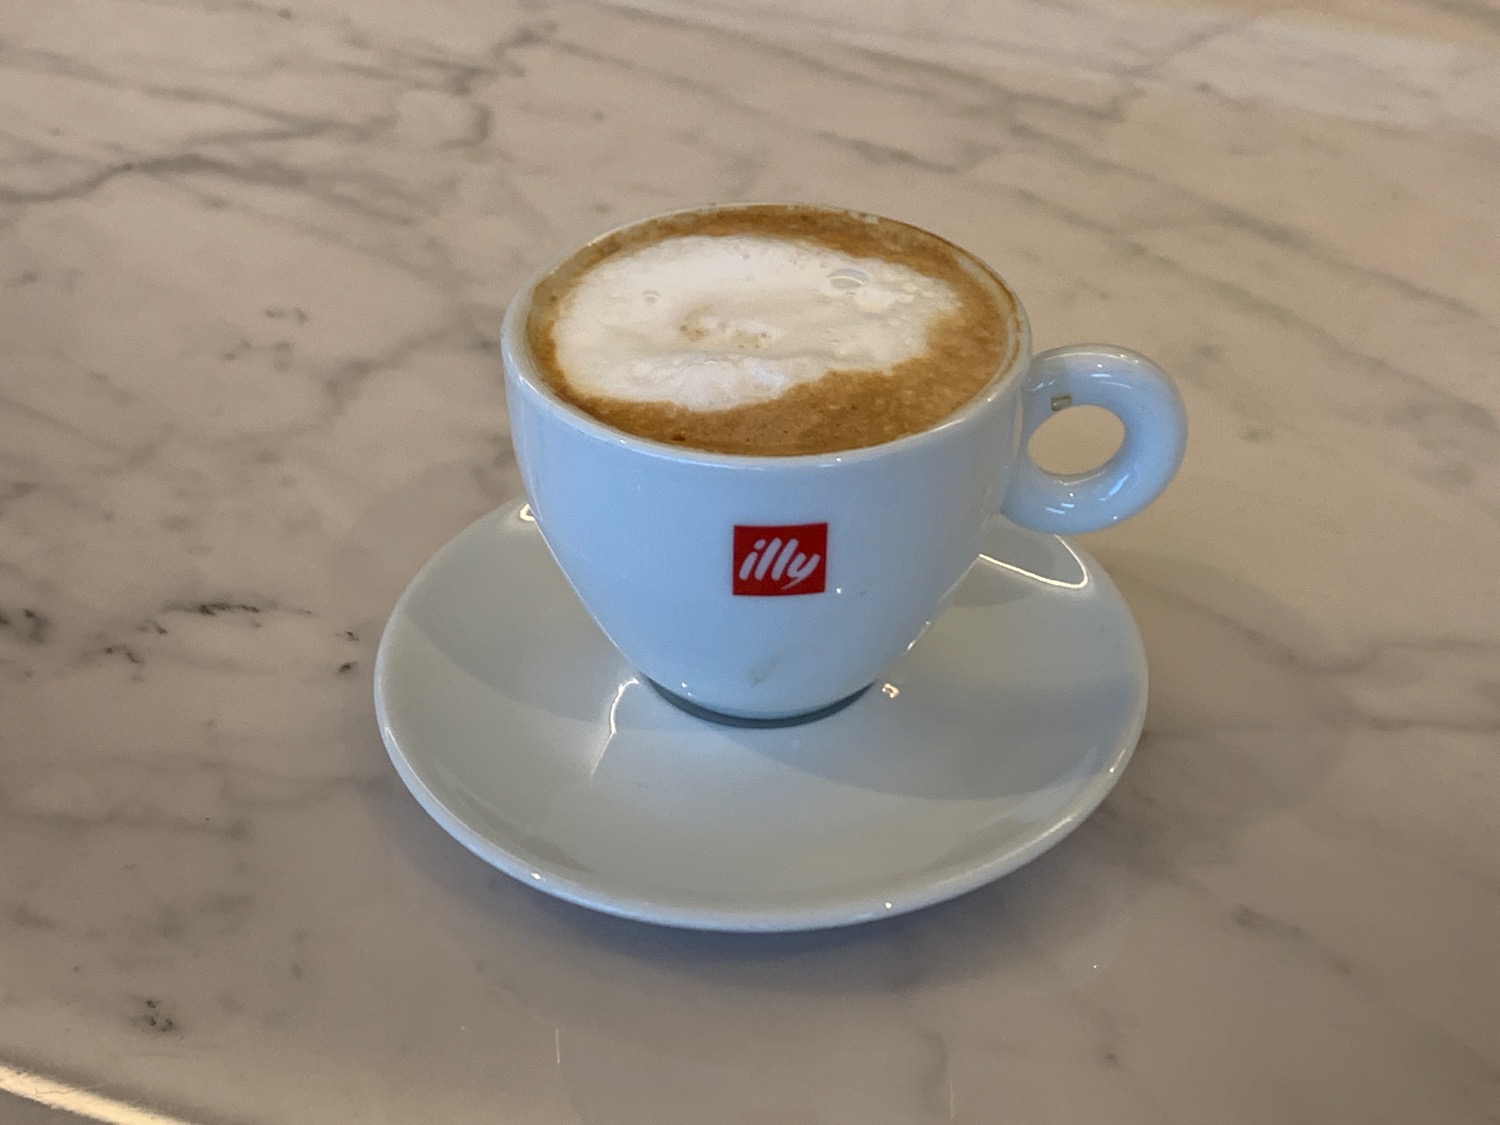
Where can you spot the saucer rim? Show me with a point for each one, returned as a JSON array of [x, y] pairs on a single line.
[[829, 912]]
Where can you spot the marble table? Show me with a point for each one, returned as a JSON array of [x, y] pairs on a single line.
[[254, 253]]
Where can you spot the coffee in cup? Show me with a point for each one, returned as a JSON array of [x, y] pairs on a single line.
[[770, 330], [763, 442]]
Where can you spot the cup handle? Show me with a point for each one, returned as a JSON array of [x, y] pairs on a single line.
[[1138, 393]]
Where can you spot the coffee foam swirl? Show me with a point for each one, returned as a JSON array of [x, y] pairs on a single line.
[[711, 323], [771, 330]]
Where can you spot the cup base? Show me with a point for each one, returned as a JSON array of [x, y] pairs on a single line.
[[709, 715]]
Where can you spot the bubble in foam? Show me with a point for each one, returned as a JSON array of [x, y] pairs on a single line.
[[713, 322]]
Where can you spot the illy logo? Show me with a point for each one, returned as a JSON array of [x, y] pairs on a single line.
[[773, 561]]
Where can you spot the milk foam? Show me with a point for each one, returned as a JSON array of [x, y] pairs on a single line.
[[712, 322]]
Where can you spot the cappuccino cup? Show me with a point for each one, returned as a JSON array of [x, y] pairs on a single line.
[[762, 442]]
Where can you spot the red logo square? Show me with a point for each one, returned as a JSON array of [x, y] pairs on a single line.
[[774, 561]]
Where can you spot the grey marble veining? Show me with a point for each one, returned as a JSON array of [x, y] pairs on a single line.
[[252, 259]]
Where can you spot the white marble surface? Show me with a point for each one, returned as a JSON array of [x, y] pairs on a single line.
[[253, 259]]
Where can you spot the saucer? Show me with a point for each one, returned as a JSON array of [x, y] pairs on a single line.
[[524, 733]]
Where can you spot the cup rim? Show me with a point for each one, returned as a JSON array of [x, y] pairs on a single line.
[[516, 357]]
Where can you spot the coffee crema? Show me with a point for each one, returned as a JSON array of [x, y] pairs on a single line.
[[770, 330]]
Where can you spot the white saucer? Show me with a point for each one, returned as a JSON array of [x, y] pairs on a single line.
[[527, 736]]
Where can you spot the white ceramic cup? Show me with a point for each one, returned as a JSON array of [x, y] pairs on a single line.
[[765, 588]]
